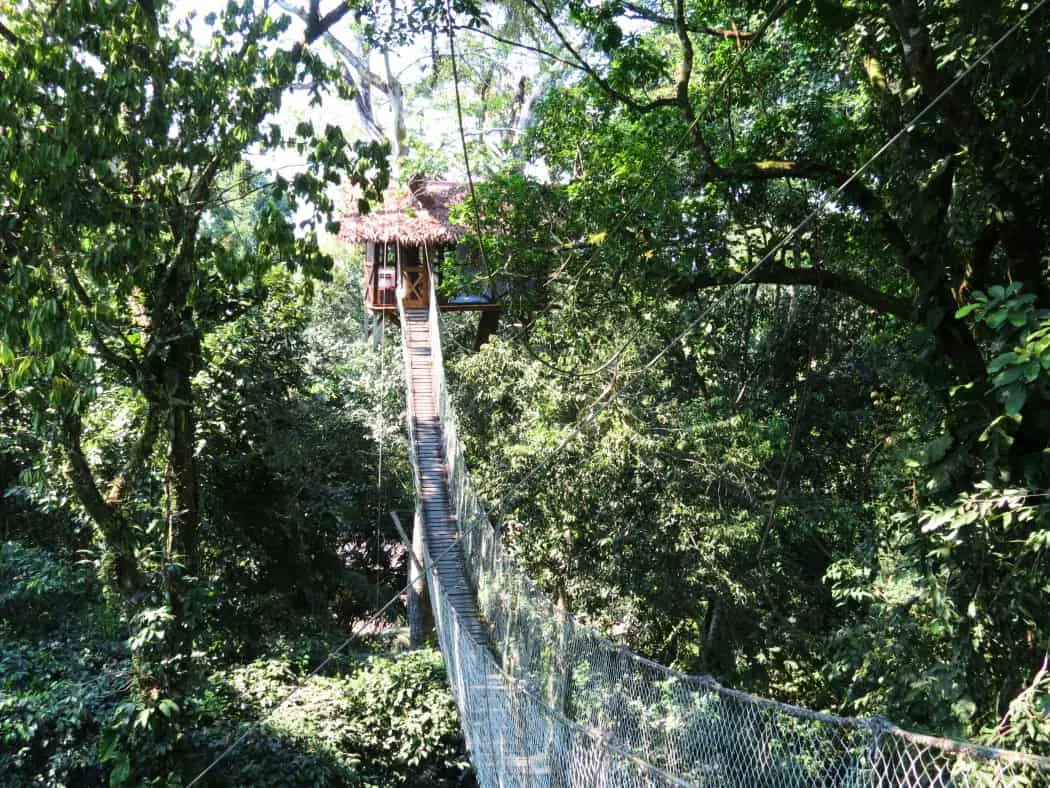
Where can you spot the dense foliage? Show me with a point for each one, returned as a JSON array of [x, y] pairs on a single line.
[[811, 459], [63, 706], [832, 488], [294, 408], [191, 423]]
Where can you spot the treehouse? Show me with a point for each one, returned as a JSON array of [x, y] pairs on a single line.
[[409, 239]]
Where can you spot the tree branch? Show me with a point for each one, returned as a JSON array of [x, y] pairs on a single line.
[[685, 73], [9, 36], [641, 12], [777, 12], [355, 71], [859, 194], [918, 52], [812, 277], [341, 49], [584, 66], [520, 45], [114, 527], [362, 103], [975, 276], [137, 459], [317, 27], [965, 120], [685, 69], [81, 475], [1024, 238], [360, 65], [889, 102], [126, 365], [149, 10], [952, 335]]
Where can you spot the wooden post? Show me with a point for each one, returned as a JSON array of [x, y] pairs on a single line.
[[424, 615], [420, 620], [373, 328]]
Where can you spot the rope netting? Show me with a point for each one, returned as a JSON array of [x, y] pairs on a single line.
[[548, 701]]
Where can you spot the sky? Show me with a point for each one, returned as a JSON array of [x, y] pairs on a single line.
[[430, 119], [437, 128]]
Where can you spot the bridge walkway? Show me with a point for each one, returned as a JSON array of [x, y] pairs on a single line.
[[441, 527]]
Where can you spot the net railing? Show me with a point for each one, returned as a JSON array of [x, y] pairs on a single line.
[[548, 701], [514, 737]]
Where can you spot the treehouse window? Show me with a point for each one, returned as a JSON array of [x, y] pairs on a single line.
[[386, 286], [381, 267]]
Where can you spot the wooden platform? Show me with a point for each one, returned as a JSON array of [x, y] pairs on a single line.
[[441, 527]]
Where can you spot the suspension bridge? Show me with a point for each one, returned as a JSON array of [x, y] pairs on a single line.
[[545, 701]]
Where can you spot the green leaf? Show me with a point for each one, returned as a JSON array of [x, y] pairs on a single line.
[[997, 318], [964, 708], [938, 519], [107, 745], [1001, 361], [142, 718], [1015, 399], [1007, 376], [121, 772]]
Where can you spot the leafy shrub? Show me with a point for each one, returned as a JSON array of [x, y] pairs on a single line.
[[32, 583], [404, 719], [61, 670], [390, 723]]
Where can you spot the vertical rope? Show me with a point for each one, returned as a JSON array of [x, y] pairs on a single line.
[[463, 135], [380, 498], [380, 437]]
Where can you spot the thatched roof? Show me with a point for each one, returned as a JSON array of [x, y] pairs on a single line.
[[415, 216]]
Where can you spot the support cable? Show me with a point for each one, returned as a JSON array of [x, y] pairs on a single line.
[[463, 135]]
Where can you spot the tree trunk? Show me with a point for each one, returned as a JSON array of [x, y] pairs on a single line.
[[397, 109], [488, 322], [181, 543], [714, 646], [121, 570]]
